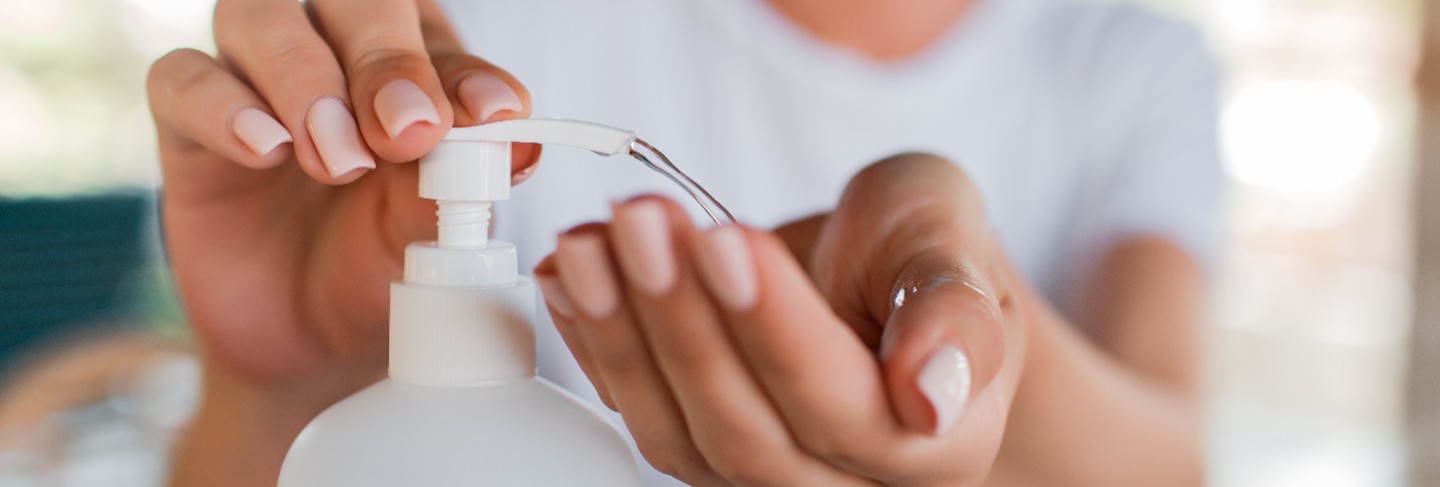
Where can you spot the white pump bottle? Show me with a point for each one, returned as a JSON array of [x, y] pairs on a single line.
[[462, 405]]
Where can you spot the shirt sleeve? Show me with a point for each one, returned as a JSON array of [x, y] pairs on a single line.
[[1153, 159], [1146, 117]]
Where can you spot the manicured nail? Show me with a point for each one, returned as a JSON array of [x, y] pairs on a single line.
[[484, 95], [584, 261], [259, 131], [400, 104], [646, 253], [523, 175], [336, 137], [945, 382], [726, 264], [555, 295]]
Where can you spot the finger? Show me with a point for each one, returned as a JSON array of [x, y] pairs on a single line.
[[942, 343], [562, 312], [478, 91], [824, 381], [482, 91], [740, 434], [399, 101], [525, 158], [197, 102], [277, 50], [606, 326]]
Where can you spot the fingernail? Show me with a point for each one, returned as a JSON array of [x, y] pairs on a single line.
[[945, 382], [584, 260], [726, 264], [400, 104], [484, 95], [555, 295], [646, 252], [259, 131], [523, 175], [333, 131]]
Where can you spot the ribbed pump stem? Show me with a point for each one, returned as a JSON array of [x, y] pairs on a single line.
[[463, 224]]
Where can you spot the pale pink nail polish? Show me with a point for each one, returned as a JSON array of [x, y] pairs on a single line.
[[588, 276], [523, 175], [332, 129], [647, 254], [484, 95], [400, 104], [727, 266], [945, 382], [555, 296], [259, 131]]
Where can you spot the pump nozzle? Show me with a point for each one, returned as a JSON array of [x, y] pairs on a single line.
[[471, 168], [601, 139], [472, 165]]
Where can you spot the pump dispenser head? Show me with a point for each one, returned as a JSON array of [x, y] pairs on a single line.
[[463, 314], [473, 163], [471, 168]]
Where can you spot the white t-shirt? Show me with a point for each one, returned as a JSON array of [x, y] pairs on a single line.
[[1081, 123]]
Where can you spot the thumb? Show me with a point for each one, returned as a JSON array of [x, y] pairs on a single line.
[[943, 342]]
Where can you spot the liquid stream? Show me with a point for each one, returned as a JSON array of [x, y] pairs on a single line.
[[655, 160]]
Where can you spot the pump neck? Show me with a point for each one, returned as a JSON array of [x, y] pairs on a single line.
[[463, 224]]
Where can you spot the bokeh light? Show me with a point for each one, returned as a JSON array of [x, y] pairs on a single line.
[[23, 127], [32, 18], [1300, 137]]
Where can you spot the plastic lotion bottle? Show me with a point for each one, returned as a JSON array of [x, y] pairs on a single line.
[[462, 405]]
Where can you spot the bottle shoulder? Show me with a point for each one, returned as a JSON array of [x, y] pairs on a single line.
[[524, 432]]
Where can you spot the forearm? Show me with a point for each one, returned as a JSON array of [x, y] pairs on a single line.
[[1080, 417], [232, 445]]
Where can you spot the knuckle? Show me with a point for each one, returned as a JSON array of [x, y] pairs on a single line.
[[921, 159], [457, 59], [699, 362], [914, 181], [912, 164], [747, 468], [223, 10], [628, 362], [749, 455], [293, 50], [383, 59], [837, 447], [668, 462], [178, 72], [235, 22], [455, 63]]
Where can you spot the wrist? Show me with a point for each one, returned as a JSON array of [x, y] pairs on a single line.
[[1069, 385]]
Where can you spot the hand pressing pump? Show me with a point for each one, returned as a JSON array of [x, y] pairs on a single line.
[[462, 405]]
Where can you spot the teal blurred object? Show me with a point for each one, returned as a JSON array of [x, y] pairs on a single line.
[[65, 263]]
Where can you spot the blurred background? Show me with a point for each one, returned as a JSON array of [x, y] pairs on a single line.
[[1313, 303]]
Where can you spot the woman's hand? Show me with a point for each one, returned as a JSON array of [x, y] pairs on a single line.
[[892, 360], [284, 219], [287, 203]]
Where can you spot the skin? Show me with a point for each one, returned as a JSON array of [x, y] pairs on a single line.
[[298, 319], [880, 30]]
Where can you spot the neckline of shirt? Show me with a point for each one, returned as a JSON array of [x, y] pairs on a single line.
[[970, 46]]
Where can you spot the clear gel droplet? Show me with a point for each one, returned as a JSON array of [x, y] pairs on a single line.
[[655, 160]]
